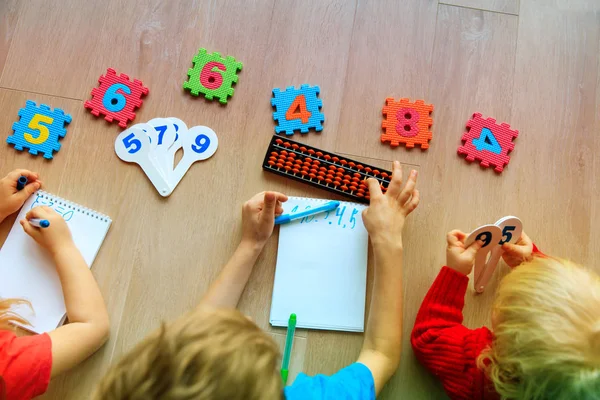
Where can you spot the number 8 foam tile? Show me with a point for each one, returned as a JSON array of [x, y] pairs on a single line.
[[39, 129], [116, 97], [407, 123]]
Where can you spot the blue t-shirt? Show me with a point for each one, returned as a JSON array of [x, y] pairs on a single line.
[[354, 382]]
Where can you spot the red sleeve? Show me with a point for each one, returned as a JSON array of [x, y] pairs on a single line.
[[442, 344], [25, 364]]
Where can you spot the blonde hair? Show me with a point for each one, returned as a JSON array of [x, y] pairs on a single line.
[[8, 317], [208, 354], [547, 333]]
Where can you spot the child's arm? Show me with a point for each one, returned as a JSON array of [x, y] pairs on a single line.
[[258, 219], [11, 199], [88, 326], [440, 341], [384, 220]]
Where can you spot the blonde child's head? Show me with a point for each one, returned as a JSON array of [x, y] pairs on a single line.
[[547, 333], [208, 354]]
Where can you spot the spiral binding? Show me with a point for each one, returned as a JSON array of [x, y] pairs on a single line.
[[73, 206]]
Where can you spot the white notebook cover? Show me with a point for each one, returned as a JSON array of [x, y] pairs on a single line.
[[27, 271], [321, 272]]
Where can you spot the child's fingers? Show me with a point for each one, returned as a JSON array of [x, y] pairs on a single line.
[[374, 189], [474, 248], [27, 191], [455, 237], [409, 187], [281, 197], [17, 173], [28, 228], [413, 202], [395, 186], [42, 212], [270, 200]]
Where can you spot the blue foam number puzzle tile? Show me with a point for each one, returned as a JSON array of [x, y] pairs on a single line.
[[39, 129], [297, 109]]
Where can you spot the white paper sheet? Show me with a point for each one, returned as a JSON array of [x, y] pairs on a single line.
[[321, 270]]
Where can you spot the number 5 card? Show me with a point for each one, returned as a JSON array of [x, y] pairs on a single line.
[[505, 230]]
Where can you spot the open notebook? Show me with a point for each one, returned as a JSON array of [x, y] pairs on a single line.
[[27, 271], [321, 273]]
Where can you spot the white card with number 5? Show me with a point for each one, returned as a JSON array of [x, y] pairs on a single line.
[[133, 145], [505, 230]]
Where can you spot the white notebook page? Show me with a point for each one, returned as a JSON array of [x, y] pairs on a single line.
[[27, 271], [321, 272]]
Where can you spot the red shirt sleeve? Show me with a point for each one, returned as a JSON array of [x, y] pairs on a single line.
[[25, 364], [446, 347]]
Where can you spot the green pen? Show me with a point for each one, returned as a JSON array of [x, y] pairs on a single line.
[[289, 342]]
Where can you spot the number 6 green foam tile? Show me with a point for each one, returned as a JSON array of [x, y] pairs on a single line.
[[213, 76]]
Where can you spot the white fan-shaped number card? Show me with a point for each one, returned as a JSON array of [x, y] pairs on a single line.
[[133, 145], [511, 228], [198, 143], [165, 133], [490, 235]]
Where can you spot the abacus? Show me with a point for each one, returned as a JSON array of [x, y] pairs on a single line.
[[322, 169]]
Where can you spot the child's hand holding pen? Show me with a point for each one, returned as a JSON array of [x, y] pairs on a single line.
[[11, 198], [55, 237]]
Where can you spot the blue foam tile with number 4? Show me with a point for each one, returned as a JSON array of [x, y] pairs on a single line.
[[297, 109], [39, 129]]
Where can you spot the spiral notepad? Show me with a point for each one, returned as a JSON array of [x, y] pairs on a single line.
[[28, 272], [321, 273]]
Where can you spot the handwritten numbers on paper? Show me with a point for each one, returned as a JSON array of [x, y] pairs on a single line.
[[505, 230], [341, 218]]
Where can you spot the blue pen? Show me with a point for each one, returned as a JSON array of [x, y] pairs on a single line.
[[21, 182], [39, 223], [285, 218]]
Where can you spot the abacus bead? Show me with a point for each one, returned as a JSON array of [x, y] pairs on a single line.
[[278, 141], [384, 175], [287, 167], [319, 154], [280, 165], [368, 169], [344, 187], [311, 152], [343, 162], [312, 175], [295, 170], [359, 167], [271, 163], [284, 153], [327, 157], [328, 180], [287, 144], [359, 194], [353, 188], [303, 149], [335, 159], [376, 172], [295, 146], [351, 164]]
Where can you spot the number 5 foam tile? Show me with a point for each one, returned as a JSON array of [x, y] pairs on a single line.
[[407, 123], [213, 76], [488, 142], [116, 97], [297, 109], [39, 129]]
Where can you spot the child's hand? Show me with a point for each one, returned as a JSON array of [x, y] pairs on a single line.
[[11, 199], [384, 219], [258, 216], [515, 254], [459, 257], [53, 238]]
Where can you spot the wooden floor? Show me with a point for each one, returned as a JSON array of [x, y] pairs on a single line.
[[531, 63]]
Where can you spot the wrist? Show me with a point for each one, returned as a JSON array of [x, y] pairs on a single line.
[[62, 250], [251, 245], [386, 243], [462, 270]]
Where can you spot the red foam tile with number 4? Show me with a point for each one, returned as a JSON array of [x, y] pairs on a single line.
[[488, 142]]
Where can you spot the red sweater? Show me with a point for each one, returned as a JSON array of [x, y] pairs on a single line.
[[445, 346]]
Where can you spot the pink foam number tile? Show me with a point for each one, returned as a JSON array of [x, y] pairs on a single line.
[[488, 142]]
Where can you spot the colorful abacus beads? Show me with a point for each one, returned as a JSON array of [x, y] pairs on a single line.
[[323, 169]]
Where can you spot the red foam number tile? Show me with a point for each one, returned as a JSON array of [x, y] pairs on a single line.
[[116, 98], [488, 142]]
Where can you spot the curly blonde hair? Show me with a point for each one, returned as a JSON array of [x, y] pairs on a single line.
[[206, 354], [547, 333], [8, 317]]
